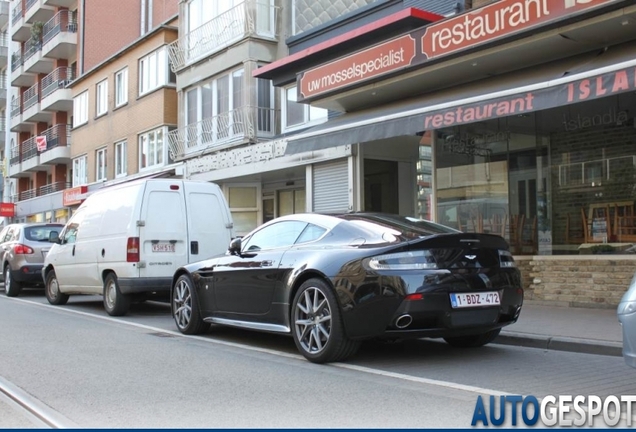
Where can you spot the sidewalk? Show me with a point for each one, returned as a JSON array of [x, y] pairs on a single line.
[[593, 331]]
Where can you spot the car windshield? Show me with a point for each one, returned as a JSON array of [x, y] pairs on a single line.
[[41, 233], [406, 226]]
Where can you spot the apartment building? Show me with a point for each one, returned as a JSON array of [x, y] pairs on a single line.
[[233, 126], [60, 41], [123, 110], [6, 210]]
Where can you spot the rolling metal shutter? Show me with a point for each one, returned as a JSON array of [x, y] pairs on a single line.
[[331, 187]]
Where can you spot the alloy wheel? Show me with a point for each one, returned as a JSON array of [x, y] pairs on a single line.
[[312, 320], [182, 303]]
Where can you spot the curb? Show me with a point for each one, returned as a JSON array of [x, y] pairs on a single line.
[[556, 343]]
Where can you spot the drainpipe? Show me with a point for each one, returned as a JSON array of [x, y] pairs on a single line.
[[80, 66]]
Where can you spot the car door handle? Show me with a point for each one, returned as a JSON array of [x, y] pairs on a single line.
[[73, 251], [194, 247]]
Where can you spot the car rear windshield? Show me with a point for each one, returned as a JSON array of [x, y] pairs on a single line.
[[406, 226], [41, 233]]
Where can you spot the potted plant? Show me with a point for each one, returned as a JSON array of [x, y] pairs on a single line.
[[602, 249], [36, 32]]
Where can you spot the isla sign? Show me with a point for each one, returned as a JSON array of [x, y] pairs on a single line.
[[378, 60], [486, 24]]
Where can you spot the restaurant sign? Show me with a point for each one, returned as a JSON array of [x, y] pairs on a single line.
[[595, 87], [74, 196], [479, 26]]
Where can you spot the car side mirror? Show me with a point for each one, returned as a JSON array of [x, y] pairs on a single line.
[[54, 237], [235, 246]]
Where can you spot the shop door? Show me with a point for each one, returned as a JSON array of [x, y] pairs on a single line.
[[381, 186]]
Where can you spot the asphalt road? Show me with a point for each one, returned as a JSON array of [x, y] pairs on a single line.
[[139, 372]]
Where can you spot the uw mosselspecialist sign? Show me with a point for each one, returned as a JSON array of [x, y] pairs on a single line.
[[595, 87], [479, 26]]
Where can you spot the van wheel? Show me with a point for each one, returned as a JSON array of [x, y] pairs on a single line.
[[115, 303], [52, 290], [12, 288], [185, 307]]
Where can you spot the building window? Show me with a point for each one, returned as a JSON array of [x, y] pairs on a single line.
[[243, 200], [100, 165], [154, 71], [80, 109], [296, 115], [120, 159], [102, 98], [153, 151], [80, 174], [146, 16], [121, 87]]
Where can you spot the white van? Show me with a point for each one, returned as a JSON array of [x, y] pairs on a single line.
[[129, 239]]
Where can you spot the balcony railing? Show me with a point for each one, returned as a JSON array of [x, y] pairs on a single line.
[[30, 97], [4, 40], [56, 80], [27, 194], [242, 124], [14, 156], [3, 125], [57, 136], [245, 19], [15, 107], [63, 21], [29, 149], [17, 13], [16, 61], [53, 187], [33, 46], [30, 3]]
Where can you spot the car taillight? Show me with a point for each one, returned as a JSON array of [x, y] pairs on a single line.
[[415, 260], [21, 249], [132, 249], [506, 259]]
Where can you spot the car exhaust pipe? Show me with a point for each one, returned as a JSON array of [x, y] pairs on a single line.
[[403, 321]]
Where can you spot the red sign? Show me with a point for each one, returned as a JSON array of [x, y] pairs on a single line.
[[40, 142], [496, 20], [7, 209], [74, 196], [375, 61]]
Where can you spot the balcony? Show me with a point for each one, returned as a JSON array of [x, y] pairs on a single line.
[[70, 4], [16, 117], [31, 112], [55, 95], [18, 77], [247, 19], [59, 36], [29, 156], [246, 124], [36, 11], [20, 30], [33, 60], [58, 145], [3, 130], [4, 49], [4, 13], [15, 167], [3, 94], [41, 191]]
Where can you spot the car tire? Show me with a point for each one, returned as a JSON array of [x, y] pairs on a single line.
[[52, 290], [317, 325], [184, 304], [473, 341], [115, 303], [12, 288]]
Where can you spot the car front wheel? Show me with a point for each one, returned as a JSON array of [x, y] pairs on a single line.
[[185, 307], [52, 290], [115, 303], [317, 326], [12, 288], [473, 341]]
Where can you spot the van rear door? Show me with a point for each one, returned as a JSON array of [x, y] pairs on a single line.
[[209, 220], [162, 234]]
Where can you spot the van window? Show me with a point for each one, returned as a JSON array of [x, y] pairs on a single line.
[[165, 210], [72, 227]]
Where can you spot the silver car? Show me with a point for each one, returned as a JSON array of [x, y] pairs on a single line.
[[22, 251], [627, 317]]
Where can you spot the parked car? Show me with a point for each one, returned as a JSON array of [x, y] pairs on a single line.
[[23, 247], [126, 241], [333, 281], [627, 317]]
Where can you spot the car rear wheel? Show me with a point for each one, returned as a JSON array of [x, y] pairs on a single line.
[[52, 290], [185, 307], [317, 326], [115, 303], [473, 341], [12, 288]]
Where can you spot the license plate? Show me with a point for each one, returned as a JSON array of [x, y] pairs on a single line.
[[463, 300], [163, 247]]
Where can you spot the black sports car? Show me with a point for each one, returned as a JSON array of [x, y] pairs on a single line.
[[333, 281]]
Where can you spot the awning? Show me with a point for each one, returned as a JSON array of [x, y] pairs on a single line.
[[603, 73]]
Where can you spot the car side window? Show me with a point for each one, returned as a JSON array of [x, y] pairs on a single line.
[[3, 233], [11, 234], [273, 236], [69, 234], [310, 233]]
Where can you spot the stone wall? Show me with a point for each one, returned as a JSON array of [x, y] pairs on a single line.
[[578, 281]]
